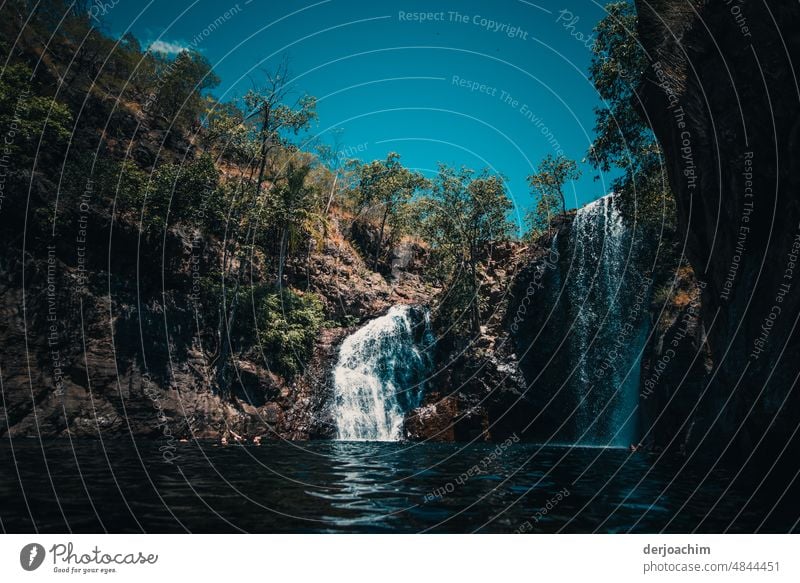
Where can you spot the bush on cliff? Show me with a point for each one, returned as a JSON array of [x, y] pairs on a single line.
[[291, 323]]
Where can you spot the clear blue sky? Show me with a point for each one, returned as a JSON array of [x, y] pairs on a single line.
[[396, 80]]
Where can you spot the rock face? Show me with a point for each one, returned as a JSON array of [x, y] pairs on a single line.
[[351, 290], [580, 322], [676, 368], [435, 421], [120, 341], [537, 329], [395, 259], [477, 391], [92, 351], [724, 102]]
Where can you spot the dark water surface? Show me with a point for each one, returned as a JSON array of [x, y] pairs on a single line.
[[120, 486]]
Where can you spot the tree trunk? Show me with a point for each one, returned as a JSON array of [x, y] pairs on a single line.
[[333, 191], [476, 307], [262, 167], [380, 239], [226, 348], [226, 343], [282, 256], [308, 264]]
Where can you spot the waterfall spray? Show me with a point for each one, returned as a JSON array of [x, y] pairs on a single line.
[[380, 375], [607, 298]]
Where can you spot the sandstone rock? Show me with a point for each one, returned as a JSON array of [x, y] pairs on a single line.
[[433, 422]]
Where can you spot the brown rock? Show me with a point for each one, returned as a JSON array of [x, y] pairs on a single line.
[[433, 422]]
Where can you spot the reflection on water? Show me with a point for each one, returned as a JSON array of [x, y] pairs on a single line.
[[370, 487]]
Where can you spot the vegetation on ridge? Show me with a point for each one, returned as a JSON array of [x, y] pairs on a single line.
[[138, 133]]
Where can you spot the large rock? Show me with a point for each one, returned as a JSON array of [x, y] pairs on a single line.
[[482, 394], [724, 102], [676, 368], [435, 421]]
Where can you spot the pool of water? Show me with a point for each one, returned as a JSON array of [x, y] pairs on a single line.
[[126, 486]]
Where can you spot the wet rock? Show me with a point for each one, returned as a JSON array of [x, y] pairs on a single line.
[[433, 422]]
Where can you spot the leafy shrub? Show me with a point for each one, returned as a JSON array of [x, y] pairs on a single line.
[[33, 125], [291, 322], [175, 193], [182, 81]]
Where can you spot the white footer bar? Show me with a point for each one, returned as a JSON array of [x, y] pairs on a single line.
[[399, 558]]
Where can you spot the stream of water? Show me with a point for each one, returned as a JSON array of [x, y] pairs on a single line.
[[608, 308], [380, 375]]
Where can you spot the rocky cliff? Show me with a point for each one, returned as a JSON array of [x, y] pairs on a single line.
[[114, 335], [723, 98], [676, 367], [476, 392]]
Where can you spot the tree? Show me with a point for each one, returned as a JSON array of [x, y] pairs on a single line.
[[292, 209], [548, 186], [271, 123], [173, 194], [385, 187], [464, 213], [227, 135], [274, 121], [338, 166], [181, 83], [623, 138]]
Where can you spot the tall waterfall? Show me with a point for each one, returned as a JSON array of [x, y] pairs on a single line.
[[380, 375], [607, 299]]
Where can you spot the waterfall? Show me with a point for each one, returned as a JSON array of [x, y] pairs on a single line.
[[607, 298], [380, 375]]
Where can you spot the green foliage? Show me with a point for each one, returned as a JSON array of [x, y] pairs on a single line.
[[174, 193], [291, 322], [293, 197], [623, 138], [463, 214], [286, 117], [617, 66], [547, 184], [300, 116], [180, 84], [386, 184], [123, 181], [273, 121], [294, 205], [459, 304], [227, 134], [29, 117], [186, 187], [383, 190]]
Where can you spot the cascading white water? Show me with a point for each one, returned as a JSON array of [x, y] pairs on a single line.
[[380, 375], [607, 298]]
